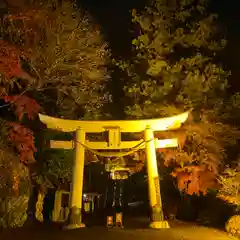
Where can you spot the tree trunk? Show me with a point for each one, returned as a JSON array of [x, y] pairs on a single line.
[[33, 195]]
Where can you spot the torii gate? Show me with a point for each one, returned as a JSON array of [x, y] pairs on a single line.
[[114, 129]]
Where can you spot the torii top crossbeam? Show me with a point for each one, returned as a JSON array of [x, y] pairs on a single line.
[[159, 124]]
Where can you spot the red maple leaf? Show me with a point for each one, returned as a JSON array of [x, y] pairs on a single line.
[[24, 105], [23, 139], [10, 62], [194, 179]]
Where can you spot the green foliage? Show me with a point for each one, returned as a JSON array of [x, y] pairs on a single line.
[[58, 165], [173, 70], [233, 226], [10, 166], [230, 111], [230, 186], [14, 211], [171, 53], [13, 180]]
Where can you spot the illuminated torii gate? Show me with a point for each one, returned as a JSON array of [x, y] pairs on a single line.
[[114, 129]]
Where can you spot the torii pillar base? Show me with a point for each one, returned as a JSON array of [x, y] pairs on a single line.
[[74, 226], [75, 219], [159, 225], [157, 219]]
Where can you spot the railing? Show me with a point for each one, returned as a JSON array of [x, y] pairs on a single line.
[[60, 212]]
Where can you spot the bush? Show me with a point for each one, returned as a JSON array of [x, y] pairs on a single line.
[[230, 193], [15, 211], [233, 226]]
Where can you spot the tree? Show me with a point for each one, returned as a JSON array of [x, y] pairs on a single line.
[[230, 193], [58, 53], [52, 58], [13, 182], [174, 69], [68, 58]]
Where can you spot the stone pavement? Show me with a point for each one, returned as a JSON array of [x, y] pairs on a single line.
[[177, 231], [197, 233]]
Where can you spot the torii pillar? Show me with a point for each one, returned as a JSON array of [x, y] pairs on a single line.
[[155, 201], [75, 214]]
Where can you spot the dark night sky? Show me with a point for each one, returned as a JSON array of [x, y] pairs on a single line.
[[229, 16], [114, 17]]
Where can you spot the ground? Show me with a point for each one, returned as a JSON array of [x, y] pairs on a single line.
[[178, 231]]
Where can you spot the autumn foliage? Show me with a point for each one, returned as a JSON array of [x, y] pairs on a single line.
[[10, 61], [194, 179], [11, 70], [21, 137], [23, 140], [11, 67], [24, 105]]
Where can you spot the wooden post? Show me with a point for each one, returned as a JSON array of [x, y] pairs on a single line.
[[57, 206], [157, 218], [75, 215]]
